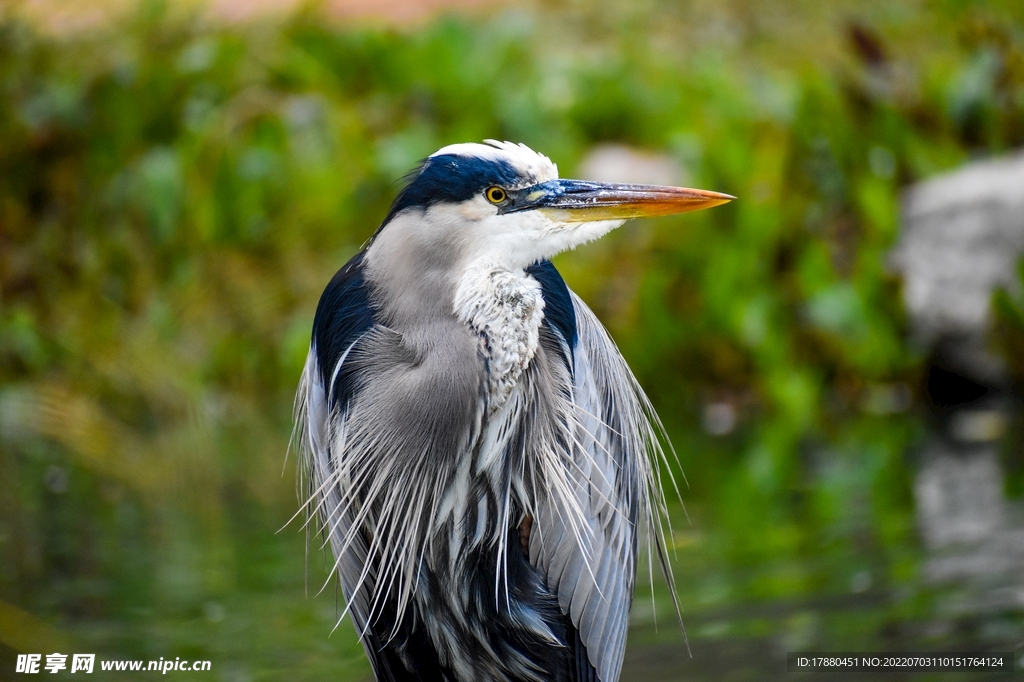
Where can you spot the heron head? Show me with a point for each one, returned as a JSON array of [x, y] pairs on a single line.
[[504, 203]]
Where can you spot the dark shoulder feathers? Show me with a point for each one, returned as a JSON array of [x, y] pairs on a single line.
[[559, 312], [342, 316]]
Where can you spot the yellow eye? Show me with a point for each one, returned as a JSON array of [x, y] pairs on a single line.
[[496, 195]]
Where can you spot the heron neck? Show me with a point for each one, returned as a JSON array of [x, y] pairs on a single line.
[[412, 275]]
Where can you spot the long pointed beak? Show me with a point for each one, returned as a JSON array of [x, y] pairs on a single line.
[[574, 201]]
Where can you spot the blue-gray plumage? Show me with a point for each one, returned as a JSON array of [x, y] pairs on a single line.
[[478, 454]]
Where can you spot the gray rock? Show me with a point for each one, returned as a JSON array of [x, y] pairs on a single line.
[[619, 163], [962, 236]]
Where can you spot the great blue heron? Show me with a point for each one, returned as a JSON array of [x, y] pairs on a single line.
[[479, 455]]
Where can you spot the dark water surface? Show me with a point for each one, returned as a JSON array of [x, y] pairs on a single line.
[[964, 596]]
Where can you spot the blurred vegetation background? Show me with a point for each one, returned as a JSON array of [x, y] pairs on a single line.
[[176, 190]]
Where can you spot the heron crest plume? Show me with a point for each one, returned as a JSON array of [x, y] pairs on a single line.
[[476, 452]]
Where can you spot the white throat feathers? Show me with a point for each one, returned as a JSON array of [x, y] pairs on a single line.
[[506, 309]]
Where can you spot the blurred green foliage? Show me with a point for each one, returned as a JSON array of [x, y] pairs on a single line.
[[174, 195]]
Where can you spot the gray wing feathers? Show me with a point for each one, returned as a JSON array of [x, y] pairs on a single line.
[[589, 553], [327, 511]]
